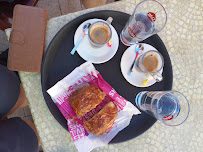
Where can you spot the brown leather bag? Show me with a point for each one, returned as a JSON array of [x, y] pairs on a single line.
[[27, 38]]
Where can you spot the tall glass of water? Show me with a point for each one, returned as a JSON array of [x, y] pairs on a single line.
[[148, 18], [170, 107]]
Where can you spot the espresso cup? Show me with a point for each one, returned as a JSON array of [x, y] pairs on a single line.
[[100, 33], [150, 62]]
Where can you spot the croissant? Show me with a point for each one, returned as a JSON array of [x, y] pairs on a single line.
[[101, 122], [85, 99]]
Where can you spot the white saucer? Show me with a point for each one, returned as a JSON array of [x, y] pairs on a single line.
[[95, 55], [136, 78]]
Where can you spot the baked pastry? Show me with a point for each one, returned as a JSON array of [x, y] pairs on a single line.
[[101, 122], [85, 99]]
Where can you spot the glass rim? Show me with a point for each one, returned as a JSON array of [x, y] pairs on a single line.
[[145, 70], [165, 122], [160, 5], [107, 26]]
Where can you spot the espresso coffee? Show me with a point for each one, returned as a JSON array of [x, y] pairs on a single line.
[[99, 34], [150, 62]]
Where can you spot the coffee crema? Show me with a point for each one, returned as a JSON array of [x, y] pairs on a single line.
[[151, 62], [99, 34]]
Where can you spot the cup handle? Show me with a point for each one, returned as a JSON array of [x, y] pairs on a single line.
[[109, 20], [157, 77]]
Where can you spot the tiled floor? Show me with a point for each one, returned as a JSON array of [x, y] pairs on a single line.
[[3, 41], [24, 113]]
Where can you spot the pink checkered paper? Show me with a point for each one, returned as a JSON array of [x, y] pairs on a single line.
[[86, 74]]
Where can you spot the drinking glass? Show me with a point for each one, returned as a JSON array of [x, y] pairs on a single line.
[[170, 107], [148, 18]]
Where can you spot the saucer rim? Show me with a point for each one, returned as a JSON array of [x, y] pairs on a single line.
[[116, 47], [141, 86]]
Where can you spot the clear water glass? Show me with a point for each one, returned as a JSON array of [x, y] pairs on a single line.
[[148, 18], [170, 107]]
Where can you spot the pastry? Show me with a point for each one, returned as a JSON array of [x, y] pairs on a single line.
[[102, 121], [85, 99]]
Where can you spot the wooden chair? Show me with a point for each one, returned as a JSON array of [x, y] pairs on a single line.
[[6, 10]]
